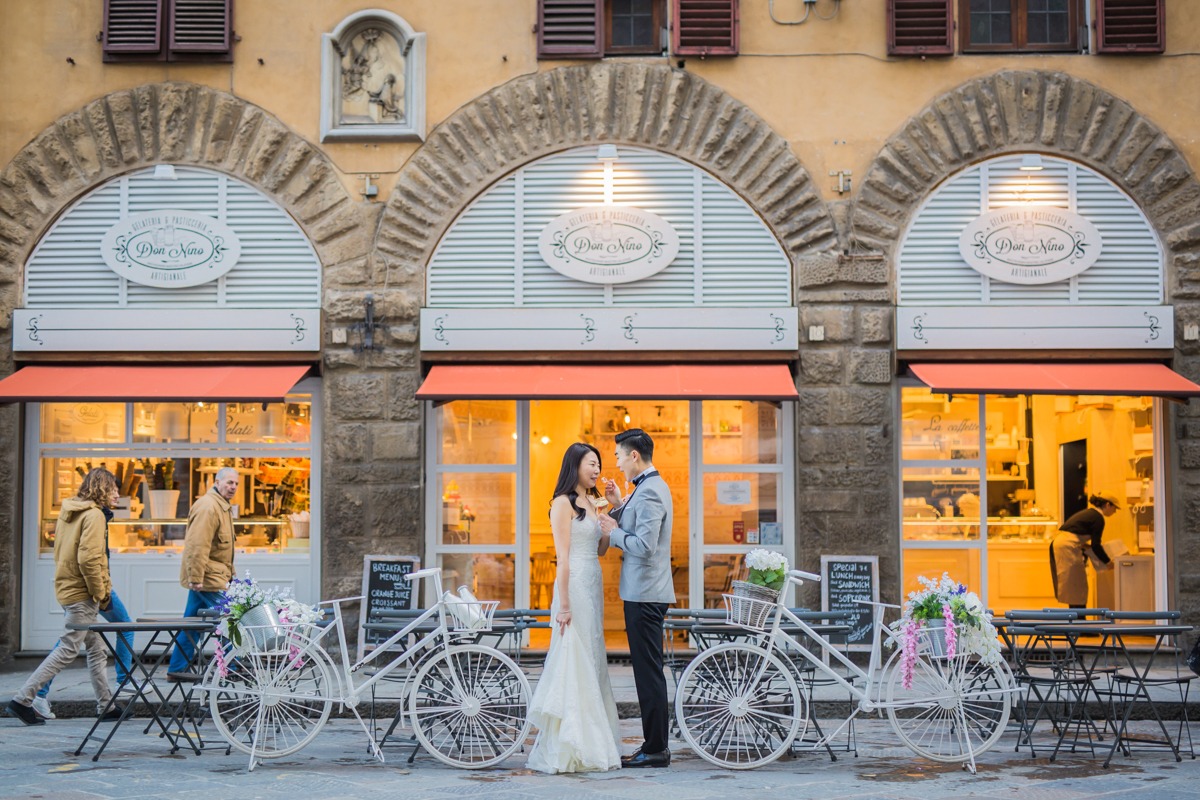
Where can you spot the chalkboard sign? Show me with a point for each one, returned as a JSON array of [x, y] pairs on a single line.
[[384, 588], [845, 580]]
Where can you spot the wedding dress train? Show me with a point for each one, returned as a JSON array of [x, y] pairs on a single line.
[[573, 705]]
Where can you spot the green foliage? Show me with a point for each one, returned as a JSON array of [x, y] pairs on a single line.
[[771, 578]]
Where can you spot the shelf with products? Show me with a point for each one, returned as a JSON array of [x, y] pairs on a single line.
[[252, 534], [1017, 529]]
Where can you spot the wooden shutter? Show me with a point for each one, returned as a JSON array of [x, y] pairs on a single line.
[[920, 27], [704, 27], [1130, 26], [132, 26], [200, 26], [570, 28]]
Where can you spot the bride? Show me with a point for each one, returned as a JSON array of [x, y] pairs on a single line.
[[573, 704]]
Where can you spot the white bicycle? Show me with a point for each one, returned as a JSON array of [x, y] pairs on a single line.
[[740, 705], [467, 703]]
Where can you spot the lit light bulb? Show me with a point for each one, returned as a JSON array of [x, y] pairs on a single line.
[[514, 435], [545, 440], [627, 419]]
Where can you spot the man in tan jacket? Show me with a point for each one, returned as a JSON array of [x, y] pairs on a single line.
[[207, 561], [83, 587]]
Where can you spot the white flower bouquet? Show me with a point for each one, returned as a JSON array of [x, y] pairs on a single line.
[[279, 617], [767, 568]]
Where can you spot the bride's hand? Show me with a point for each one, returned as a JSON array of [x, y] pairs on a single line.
[[563, 619]]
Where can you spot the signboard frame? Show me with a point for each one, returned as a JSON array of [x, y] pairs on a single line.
[[368, 605], [859, 637]]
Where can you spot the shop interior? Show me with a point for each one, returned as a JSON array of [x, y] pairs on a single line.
[[989, 499], [479, 490], [165, 455]]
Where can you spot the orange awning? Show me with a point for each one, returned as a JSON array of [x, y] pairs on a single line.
[[124, 384], [605, 381], [1052, 378]]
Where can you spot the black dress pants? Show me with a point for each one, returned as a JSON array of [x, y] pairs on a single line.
[[644, 627]]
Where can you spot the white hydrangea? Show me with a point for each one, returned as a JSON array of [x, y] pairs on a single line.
[[765, 560]]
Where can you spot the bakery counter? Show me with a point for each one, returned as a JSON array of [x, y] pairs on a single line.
[[1000, 529]]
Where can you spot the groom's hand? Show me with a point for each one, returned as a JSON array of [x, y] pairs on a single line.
[[611, 493], [607, 524]]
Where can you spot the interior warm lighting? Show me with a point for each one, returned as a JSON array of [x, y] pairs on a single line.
[[545, 440], [1031, 162]]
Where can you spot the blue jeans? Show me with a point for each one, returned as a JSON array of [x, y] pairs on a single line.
[[116, 613], [185, 645]]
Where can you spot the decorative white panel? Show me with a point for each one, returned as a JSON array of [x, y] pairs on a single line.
[[277, 268], [931, 272], [167, 330], [727, 256], [578, 330], [1037, 328]]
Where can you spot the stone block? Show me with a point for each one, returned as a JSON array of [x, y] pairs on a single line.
[[815, 406], [874, 325], [354, 272], [346, 442], [1189, 454], [354, 396], [837, 321], [871, 366], [827, 445], [862, 406], [402, 400], [393, 441], [394, 512], [343, 515], [817, 501], [821, 367]]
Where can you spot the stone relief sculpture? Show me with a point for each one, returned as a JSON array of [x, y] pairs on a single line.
[[372, 79], [373, 74]]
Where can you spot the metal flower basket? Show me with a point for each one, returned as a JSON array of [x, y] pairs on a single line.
[[748, 612], [469, 616], [261, 629], [933, 638]]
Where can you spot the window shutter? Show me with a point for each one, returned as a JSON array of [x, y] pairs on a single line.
[[201, 26], [570, 28], [1130, 26], [132, 26], [704, 27], [920, 27]]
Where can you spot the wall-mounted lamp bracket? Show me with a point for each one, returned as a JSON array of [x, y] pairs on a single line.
[[843, 180], [365, 330]]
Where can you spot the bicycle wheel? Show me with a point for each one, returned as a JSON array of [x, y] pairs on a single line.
[[738, 706], [470, 706], [270, 705], [956, 708]]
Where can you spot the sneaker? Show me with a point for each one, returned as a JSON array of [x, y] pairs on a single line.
[[113, 714], [24, 713], [42, 706]]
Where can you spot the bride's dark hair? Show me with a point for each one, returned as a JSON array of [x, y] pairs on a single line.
[[568, 476]]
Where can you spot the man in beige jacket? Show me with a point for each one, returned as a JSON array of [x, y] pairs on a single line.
[[83, 587], [207, 561]]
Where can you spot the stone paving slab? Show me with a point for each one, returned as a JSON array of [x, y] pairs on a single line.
[[39, 762]]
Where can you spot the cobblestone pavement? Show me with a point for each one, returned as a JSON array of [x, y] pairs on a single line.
[[40, 762]]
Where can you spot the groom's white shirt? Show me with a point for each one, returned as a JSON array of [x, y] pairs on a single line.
[[644, 536]]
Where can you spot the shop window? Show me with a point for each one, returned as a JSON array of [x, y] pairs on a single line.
[[168, 30], [373, 79], [984, 503], [920, 27], [596, 28], [1020, 25], [1130, 26], [165, 455]]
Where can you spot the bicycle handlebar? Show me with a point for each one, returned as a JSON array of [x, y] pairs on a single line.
[[798, 576], [422, 573]]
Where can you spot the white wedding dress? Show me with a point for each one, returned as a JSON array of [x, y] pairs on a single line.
[[573, 705]]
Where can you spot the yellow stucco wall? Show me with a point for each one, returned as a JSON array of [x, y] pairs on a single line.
[[826, 86]]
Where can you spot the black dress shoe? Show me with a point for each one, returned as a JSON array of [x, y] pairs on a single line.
[[640, 759], [631, 756], [113, 714], [183, 677], [24, 713]]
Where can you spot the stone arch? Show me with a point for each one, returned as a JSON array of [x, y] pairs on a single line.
[[653, 106], [178, 123], [1050, 112]]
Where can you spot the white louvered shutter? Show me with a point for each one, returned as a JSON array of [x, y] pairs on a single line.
[[277, 268], [727, 255], [931, 272]]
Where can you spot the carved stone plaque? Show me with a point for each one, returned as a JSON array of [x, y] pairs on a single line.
[[372, 79]]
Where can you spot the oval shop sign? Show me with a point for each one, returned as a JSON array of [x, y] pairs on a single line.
[[608, 244], [170, 248], [1030, 244]]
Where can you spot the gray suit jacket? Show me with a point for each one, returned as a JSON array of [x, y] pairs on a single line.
[[644, 536]]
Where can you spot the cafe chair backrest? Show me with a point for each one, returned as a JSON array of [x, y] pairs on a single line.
[[1142, 615], [1084, 613], [1059, 615]]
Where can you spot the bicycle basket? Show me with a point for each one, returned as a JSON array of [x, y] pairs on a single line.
[[469, 615], [748, 612]]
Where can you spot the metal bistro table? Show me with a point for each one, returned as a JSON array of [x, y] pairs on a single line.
[[1112, 640], [144, 666]]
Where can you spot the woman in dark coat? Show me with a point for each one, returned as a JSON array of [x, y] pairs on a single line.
[[1076, 540]]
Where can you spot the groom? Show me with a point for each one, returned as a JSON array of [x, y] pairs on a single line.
[[641, 529]]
